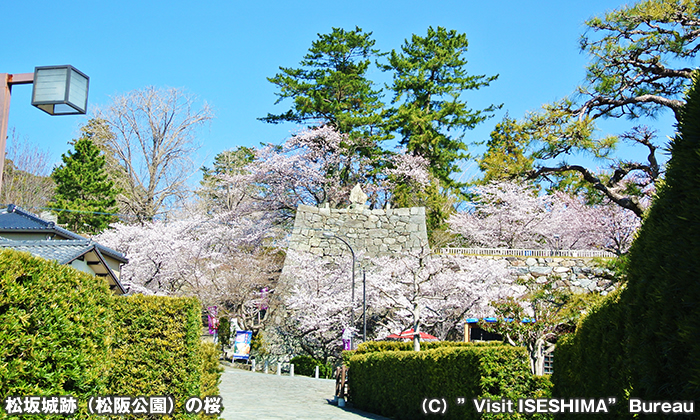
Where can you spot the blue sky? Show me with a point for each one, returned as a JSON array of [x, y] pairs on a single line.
[[222, 52]]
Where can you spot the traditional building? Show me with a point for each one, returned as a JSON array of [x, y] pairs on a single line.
[[24, 231]]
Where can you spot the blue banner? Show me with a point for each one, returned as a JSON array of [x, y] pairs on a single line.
[[241, 345]]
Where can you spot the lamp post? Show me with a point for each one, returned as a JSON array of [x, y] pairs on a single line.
[[352, 299], [58, 90]]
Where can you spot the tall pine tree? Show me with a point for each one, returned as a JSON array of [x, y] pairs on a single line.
[[431, 116], [85, 197]]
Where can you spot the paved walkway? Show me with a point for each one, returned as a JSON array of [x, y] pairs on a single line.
[[257, 396]]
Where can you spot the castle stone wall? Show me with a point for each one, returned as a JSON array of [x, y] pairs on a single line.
[[373, 233]]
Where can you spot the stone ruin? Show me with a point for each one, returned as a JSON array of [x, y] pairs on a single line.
[[373, 233]]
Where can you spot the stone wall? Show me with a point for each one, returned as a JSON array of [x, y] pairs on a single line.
[[579, 274], [373, 233], [381, 232]]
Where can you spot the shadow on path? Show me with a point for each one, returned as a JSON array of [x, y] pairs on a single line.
[[257, 396]]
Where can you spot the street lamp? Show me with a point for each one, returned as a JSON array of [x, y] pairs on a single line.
[[58, 90], [352, 300]]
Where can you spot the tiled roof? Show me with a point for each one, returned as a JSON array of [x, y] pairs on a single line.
[[62, 251], [16, 219]]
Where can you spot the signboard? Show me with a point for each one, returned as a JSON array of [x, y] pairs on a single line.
[[241, 345]]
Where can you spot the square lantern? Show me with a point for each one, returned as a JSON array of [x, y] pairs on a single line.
[[60, 90]]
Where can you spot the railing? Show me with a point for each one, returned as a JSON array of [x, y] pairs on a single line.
[[571, 253]]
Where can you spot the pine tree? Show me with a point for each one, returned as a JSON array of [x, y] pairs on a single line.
[[431, 116], [505, 158], [331, 86], [85, 196]]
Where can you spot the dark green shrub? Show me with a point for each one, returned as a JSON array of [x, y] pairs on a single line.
[[593, 362], [644, 342], [306, 365], [224, 331], [663, 292], [55, 328], [394, 383], [156, 348]]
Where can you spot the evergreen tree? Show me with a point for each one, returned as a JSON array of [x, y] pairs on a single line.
[[331, 87], [429, 78], [505, 158], [85, 196]]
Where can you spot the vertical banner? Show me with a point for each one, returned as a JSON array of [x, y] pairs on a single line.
[[213, 321], [347, 339], [241, 345]]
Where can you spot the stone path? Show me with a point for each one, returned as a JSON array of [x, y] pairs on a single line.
[[257, 396]]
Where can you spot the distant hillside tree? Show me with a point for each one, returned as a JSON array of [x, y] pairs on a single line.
[[26, 179]]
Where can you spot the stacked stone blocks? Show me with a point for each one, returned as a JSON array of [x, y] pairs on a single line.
[[373, 233]]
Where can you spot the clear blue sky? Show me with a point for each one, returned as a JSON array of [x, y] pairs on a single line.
[[222, 52]]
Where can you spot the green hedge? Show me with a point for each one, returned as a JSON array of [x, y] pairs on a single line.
[[157, 347], [55, 329], [377, 346], [210, 369], [394, 383], [63, 333], [306, 365], [593, 363], [663, 292], [643, 342]]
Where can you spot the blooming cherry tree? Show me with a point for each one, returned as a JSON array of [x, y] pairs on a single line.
[[410, 290], [317, 166], [219, 259], [437, 292], [512, 215]]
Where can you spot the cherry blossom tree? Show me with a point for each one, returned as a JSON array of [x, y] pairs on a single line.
[[512, 215], [436, 291], [314, 167], [318, 303], [221, 260], [535, 318], [404, 291]]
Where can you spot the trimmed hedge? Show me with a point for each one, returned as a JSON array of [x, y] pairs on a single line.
[[394, 383], [593, 363], [62, 332], [210, 371], [55, 329], [663, 292], [643, 342], [306, 365], [157, 348], [375, 346]]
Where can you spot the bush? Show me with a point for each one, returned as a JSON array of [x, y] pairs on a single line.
[[643, 341], [62, 332], [375, 346], [224, 331], [55, 329], [210, 369], [306, 365], [156, 348], [663, 292], [593, 362], [394, 383]]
